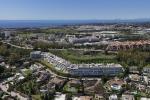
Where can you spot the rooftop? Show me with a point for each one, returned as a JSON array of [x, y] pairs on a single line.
[[60, 97], [112, 65], [36, 52]]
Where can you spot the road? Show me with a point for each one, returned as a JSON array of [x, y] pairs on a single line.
[[4, 87], [97, 50], [16, 46], [29, 48]]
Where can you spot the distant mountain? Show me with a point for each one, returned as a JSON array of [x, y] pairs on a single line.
[[123, 20]]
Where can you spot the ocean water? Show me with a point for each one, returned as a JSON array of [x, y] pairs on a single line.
[[41, 23], [50, 23]]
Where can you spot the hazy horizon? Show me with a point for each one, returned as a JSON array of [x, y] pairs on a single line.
[[73, 19], [74, 9]]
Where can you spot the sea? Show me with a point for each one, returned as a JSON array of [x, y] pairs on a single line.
[[51, 23], [41, 23]]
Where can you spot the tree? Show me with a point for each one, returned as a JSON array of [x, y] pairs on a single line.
[[13, 58], [4, 51], [2, 69], [133, 57], [47, 95]]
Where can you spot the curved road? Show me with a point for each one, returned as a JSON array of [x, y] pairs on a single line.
[[16, 46]]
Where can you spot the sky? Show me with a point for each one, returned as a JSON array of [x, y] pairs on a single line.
[[73, 9]]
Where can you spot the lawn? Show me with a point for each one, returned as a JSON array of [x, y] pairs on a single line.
[[36, 97], [67, 88]]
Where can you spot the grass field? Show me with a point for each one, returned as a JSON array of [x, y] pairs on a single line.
[[85, 57], [36, 97]]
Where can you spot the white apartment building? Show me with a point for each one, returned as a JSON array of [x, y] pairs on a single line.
[[83, 69], [96, 69]]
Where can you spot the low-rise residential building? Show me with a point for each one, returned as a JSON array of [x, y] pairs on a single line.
[[19, 77], [109, 34], [144, 98], [141, 87], [44, 76], [35, 55], [133, 69], [59, 82], [1, 59], [89, 39], [127, 97], [35, 67], [86, 98], [60, 96], [7, 34], [99, 97], [82, 98], [146, 79], [115, 84], [146, 70], [146, 30], [134, 77], [73, 83], [113, 97], [75, 98]]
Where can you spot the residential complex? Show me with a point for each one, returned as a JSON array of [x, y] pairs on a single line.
[[96, 69], [81, 62], [83, 69]]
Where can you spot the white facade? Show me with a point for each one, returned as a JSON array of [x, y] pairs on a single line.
[[96, 69], [60, 96], [83, 69], [35, 54], [146, 70], [113, 97]]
